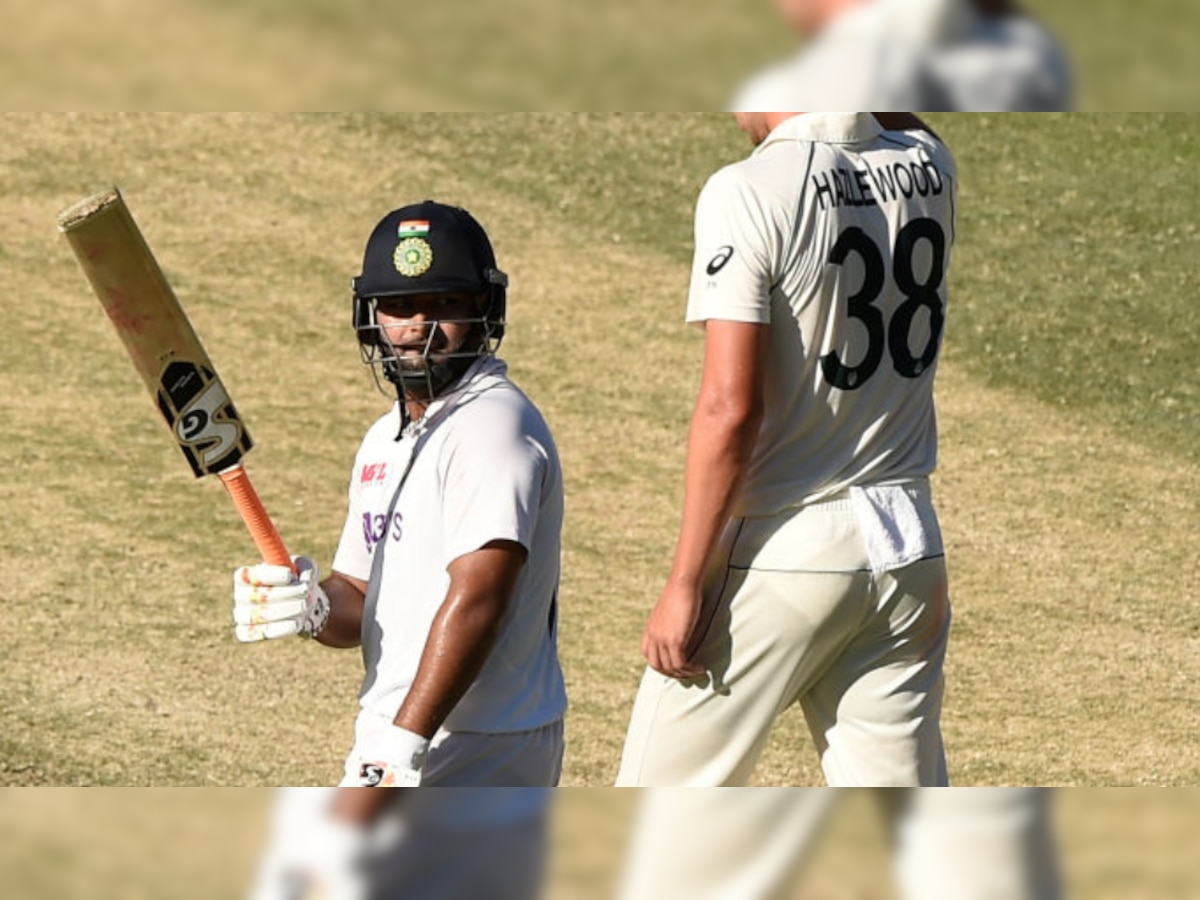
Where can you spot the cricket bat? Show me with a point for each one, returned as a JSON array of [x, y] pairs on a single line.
[[167, 354]]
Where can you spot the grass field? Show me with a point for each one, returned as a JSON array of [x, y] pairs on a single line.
[[1068, 486]]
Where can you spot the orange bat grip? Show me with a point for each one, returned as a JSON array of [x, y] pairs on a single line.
[[262, 529]]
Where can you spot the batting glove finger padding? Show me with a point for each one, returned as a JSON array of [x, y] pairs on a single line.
[[266, 631], [267, 575], [260, 613], [273, 602]]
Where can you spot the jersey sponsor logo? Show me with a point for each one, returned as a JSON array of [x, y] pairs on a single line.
[[373, 473], [376, 527], [717, 263]]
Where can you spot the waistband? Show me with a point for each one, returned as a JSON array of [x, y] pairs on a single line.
[[840, 501]]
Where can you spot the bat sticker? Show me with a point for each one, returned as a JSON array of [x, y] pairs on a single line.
[[202, 417]]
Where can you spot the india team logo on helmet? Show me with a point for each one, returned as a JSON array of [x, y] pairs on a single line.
[[413, 257]]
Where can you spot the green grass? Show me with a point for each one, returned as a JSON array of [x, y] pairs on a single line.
[[1075, 281], [624, 177]]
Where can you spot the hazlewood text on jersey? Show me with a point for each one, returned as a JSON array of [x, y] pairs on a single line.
[[869, 187]]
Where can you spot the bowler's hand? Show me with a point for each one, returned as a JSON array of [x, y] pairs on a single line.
[[669, 630]]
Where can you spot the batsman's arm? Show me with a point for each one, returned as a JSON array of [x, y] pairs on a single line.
[[346, 599], [361, 806], [463, 633]]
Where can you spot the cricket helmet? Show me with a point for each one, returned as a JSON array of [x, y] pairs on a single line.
[[428, 248]]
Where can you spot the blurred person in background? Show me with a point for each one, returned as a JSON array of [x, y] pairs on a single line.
[[965, 55], [750, 844], [1002, 59]]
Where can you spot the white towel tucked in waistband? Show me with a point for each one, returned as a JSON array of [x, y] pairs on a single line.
[[898, 522]]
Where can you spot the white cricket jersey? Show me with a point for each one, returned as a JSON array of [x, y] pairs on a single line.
[[486, 469], [837, 235]]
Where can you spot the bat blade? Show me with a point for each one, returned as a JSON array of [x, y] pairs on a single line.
[[156, 332], [166, 352]]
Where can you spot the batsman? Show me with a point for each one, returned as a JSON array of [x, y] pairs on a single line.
[[447, 571]]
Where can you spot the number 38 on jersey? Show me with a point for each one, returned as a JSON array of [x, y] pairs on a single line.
[[886, 335]]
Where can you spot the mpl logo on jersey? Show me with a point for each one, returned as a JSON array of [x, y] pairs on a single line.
[[373, 474]]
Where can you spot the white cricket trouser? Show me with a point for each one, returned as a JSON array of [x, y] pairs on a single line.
[[793, 615], [467, 759], [750, 843]]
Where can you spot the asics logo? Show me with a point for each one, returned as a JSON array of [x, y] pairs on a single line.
[[717, 263]]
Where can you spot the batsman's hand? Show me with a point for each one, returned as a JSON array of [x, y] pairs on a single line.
[[393, 757], [324, 862], [273, 602], [666, 642]]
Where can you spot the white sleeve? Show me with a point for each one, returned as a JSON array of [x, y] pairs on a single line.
[[354, 551], [736, 252], [492, 477]]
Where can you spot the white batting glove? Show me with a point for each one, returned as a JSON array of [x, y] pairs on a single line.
[[273, 602], [393, 758], [322, 863]]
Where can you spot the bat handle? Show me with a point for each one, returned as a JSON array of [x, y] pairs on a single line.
[[249, 506]]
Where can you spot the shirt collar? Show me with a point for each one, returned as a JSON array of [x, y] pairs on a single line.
[[481, 375], [827, 128]]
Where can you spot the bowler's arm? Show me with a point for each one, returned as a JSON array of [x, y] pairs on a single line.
[[724, 430], [729, 411]]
